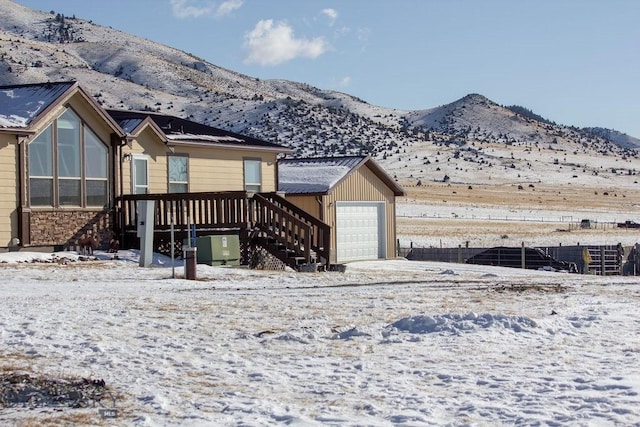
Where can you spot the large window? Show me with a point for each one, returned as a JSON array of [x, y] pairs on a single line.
[[95, 155], [252, 175], [69, 173], [68, 165], [41, 169], [178, 174]]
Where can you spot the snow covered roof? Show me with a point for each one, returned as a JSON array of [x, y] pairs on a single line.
[[21, 104], [183, 132], [210, 138], [321, 175]]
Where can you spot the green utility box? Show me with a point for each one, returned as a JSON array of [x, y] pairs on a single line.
[[218, 250]]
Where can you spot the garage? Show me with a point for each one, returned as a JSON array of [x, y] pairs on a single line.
[[353, 195], [360, 230]]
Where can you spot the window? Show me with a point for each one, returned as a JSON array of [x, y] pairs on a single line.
[[140, 174], [68, 165], [69, 175], [41, 169], [178, 174], [252, 175], [95, 155]]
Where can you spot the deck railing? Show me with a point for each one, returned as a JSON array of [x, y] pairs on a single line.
[[268, 213], [204, 210]]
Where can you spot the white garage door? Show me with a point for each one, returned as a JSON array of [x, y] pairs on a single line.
[[360, 231]]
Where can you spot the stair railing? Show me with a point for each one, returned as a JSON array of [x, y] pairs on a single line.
[[292, 227]]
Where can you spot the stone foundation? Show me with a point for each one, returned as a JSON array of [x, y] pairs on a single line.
[[65, 227]]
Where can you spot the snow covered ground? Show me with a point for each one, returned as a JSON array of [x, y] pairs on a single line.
[[384, 343]]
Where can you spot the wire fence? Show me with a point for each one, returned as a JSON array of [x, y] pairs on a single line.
[[585, 259], [564, 219]]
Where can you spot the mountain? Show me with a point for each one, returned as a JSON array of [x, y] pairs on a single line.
[[469, 140], [619, 138]]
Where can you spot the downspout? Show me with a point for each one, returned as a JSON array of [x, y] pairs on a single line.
[[117, 172], [23, 228], [120, 168]]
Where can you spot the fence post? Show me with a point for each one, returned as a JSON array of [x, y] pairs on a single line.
[[602, 261], [522, 257]]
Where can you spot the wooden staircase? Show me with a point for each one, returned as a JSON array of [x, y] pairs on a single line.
[[295, 237]]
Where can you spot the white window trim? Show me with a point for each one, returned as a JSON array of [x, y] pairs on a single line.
[[244, 174], [169, 182], [135, 157]]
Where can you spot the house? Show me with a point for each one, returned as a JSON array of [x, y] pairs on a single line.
[[57, 168], [68, 164], [353, 195], [73, 171]]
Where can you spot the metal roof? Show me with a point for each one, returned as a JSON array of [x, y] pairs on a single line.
[[181, 131], [314, 175], [21, 104], [129, 125], [321, 174]]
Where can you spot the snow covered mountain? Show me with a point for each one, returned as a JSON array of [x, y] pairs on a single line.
[[470, 140]]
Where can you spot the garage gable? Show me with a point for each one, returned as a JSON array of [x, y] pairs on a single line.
[[354, 196]]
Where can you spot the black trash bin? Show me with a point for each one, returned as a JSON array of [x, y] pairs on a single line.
[[190, 262]]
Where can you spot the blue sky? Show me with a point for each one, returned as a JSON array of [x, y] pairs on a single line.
[[576, 62]]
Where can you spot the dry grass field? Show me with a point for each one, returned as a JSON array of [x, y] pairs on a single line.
[[448, 215], [538, 196]]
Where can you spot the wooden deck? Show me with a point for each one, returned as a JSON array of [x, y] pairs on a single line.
[[264, 219]]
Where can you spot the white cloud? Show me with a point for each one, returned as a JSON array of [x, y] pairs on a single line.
[[184, 8], [342, 31], [340, 84], [273, 44], [332, 14], [364, 34], [345, 81], [228, 6]]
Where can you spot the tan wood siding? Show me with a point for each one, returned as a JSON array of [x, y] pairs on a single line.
[[308, 204], [269, 172], [147, 144], [215, 170], [218, 169], [362, 185], [158, 180], [8, 189], [209, 168]]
